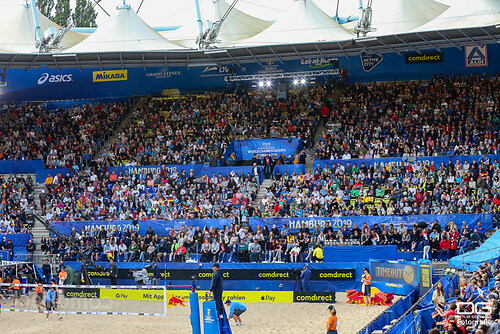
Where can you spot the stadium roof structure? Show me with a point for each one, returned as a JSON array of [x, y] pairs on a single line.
[[466, 14], [17, 30], [238, 56], [236, 26], [303, 22], [404, 15], [124, 31]]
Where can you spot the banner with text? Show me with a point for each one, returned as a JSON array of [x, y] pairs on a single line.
[[294, 224], [245, 149], [198, 170], [399, 161], [160, 227], [399, 276]]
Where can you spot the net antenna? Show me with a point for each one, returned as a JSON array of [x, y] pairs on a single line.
[[51, 38], [209, 36], [364, 25]]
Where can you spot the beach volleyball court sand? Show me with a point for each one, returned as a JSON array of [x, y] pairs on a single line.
[[260, 318]]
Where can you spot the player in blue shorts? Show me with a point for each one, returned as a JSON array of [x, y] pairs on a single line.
[[50, 302]]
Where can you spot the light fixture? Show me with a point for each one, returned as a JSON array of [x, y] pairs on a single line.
[[268, 83], [302, 81], [295, 82], [213, 51], [62, 55], [369, 39], [261, 84]]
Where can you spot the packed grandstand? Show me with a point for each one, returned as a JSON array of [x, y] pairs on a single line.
[[302, 175]]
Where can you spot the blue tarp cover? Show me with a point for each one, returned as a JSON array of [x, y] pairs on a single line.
[[488, 251]]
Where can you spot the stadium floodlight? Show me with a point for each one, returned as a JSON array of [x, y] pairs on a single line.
[[268, 83], [302, 81], [295, 82], [261, 84]]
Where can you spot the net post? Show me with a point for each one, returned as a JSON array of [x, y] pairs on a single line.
[[165, 300], [195, 313]]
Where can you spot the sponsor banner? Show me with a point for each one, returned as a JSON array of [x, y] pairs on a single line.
[[313, 297], [294, 224], [476, 56], [163, 73], [425, 277], [370, 61], [132, 294], [241, 296], [423, 58], [54, 78], [159, 227], [198, 170], [245, 149], [395, 272], [402, 161], [82, 293], [105, 76], [239, 274], [210, 318]]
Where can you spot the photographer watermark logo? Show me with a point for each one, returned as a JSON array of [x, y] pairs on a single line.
[[467, 310]]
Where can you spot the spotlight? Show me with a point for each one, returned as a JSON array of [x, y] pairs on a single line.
[[261, 84], [302, 81], [295, 82], [268, 83]]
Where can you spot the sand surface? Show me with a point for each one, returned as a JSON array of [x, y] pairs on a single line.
[[265, 318]]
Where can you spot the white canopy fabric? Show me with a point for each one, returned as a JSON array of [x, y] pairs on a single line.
[[125, 31], [237, 26], [466, 14], [398, 16], [17, 30], [303, 22]]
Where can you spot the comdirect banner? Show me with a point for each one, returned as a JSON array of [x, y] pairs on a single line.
[[294, 224], [82, 293], [245, 149], [160, 227], [240, 274], [313, 297]]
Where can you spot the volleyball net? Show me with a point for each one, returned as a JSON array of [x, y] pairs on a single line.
[[97, 299]]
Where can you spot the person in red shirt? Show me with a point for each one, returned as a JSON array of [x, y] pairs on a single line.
[[445, 248], [325, 113]]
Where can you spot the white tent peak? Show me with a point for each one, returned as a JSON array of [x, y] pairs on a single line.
[[17, 30], [399, 16], [303, 22], [466, 14], [124, 31], [237, 26]]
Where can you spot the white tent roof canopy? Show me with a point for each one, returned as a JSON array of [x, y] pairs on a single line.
[[404, 15], [237, 26], [466, 14], [17, 30], [124, 31], [302, 22]]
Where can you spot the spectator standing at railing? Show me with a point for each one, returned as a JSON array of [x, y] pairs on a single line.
[[30, 248]]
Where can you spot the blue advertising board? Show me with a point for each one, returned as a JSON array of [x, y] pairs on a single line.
[[245, 149], [199, 170], [289, 169], [399, 161], [294, 224], [42, 174], [210, 318], [20, 166], [160, 227], [400, 277]]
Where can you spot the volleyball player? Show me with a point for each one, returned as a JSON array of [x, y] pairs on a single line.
[[50, 302], [39, 295], [17, 291]]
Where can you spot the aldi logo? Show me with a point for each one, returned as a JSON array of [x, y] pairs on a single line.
[[476, 56], [103, 76]]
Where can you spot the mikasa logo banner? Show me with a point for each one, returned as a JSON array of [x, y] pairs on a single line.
[[103, 76]]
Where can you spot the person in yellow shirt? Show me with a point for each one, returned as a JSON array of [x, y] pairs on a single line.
[[49, 179], [317, 255], [17, 291], [331, 324], [366, 280]]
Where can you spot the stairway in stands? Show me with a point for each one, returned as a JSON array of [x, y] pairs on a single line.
[[335, 96]]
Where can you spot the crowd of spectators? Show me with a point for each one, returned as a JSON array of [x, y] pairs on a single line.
[[166, 195], [199, 128], [473, 307], [455, 115], [67, 137], [17, 203]]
